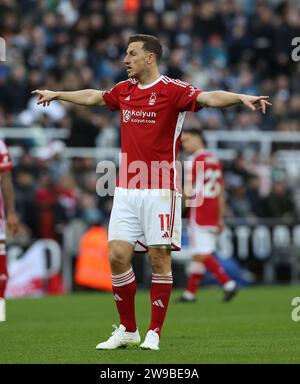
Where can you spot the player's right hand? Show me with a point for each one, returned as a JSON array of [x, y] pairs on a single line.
[[255, 102], [44, 96]]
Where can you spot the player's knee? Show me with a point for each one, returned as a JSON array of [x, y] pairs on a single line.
[[119, 256], [116, 260], [160, 260]]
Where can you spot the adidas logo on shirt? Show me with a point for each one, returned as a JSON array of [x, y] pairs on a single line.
[[127, 98], [165, 235]]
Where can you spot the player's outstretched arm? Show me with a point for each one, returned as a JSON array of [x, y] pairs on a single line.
[[83, 97], [221, 99]]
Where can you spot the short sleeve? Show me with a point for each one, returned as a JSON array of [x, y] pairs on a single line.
[[111, 97], [186, 97]]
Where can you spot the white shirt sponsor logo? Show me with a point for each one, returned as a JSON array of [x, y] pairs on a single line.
[[128, 115]]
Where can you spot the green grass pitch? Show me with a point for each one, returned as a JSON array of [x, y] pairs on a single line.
[[256, 327]]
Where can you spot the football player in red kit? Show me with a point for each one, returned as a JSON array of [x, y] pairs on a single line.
[[146, 210], [206, 220], [7, 204]]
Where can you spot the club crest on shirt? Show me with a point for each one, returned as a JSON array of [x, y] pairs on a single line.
[[152, 99]]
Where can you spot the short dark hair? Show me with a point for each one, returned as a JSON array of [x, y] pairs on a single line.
[[196, 132], [151, 44]]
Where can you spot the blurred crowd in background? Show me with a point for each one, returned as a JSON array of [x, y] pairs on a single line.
[[234, 45]]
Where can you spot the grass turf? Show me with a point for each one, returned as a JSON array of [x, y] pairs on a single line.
[[256, 327]]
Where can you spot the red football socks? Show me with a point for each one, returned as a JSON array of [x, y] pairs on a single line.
[[213, 266], [124, 289], [160, 292], [3, 275], [196, 272]]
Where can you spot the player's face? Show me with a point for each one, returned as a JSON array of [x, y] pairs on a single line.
[[135, 59], [191, 143], [188, 143]]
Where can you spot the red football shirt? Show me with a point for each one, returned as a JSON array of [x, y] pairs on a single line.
[[207, 214], [151, 119], [5, 165]]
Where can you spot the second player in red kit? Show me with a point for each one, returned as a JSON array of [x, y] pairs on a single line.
[[206, 221]]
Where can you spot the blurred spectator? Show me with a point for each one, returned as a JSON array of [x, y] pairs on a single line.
[[89, 210], [84, 132], [46, 199], [59, 165], [279, 204], [239, 168], [67, 199], [72, 45], [253, 195], [14, 93], [25, 198], [238, 200]]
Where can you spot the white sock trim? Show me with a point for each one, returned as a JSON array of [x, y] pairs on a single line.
[[166, 278], [122, 274], [123, 279]]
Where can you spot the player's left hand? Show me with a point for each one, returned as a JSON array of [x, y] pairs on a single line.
[[256, 102], [13, 222]]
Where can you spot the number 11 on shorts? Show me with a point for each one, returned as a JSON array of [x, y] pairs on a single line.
[[164, 221]]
